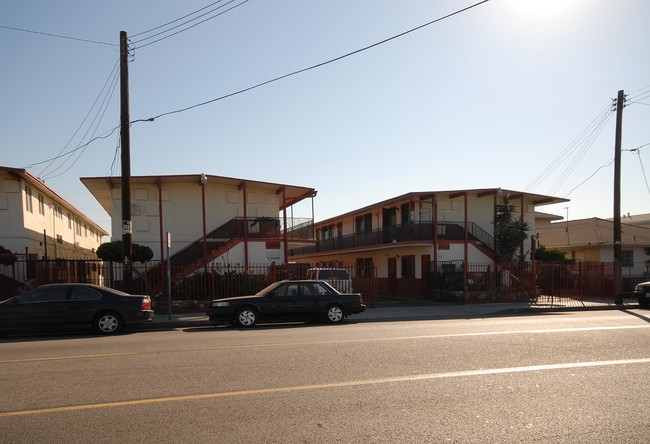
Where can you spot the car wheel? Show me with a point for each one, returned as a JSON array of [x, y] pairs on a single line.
[[334, 314], [108, 323], [245, 317]]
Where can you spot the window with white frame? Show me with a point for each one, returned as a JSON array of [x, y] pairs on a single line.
[[28, 199], [41, 204]]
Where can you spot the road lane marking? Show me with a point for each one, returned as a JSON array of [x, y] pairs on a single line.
[[410, 378], [342, 341], [56, 358]]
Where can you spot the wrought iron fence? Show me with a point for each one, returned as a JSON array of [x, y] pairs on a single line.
[[189, 291], [553, 282]]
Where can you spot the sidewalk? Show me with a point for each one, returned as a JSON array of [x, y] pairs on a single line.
[[415, 309]]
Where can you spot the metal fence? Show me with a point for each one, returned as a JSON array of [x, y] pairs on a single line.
[[189, 292], [552, 282]]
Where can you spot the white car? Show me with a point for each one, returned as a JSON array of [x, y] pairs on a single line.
[[338, 278]]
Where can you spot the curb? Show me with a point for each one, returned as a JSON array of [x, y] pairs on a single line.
[[165, 324]]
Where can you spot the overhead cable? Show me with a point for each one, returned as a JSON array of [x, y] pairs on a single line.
[[336, 59], [59, 36], [188, 27]]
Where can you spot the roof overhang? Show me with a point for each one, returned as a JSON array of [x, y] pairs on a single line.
[[101, 187]]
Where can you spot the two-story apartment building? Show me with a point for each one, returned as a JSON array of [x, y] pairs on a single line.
[[34, 219], [407, 236], [209, 218]]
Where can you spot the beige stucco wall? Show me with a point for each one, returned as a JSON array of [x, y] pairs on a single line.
[[182, 213], [30, 231]]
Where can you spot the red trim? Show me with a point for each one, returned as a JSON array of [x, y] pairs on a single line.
[[243, 186], [466, 253], [160, 219]]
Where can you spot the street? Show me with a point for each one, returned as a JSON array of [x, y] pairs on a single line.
[[562, 377]]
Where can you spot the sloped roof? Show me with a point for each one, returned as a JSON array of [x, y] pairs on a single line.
[[592, 232], [547, 216], [536, 199], [100, 187]]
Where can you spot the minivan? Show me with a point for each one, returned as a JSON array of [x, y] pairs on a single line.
[[338, 278]]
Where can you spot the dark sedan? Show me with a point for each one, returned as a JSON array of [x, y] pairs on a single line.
[[104, 309], [642, 292], [287, 301]]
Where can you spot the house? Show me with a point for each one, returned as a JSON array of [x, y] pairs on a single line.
[[409, 235], [640, 220], [545, 218], [34, 219], [592, 240], [209, 218]]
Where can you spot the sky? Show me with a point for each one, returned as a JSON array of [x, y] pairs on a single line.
[[514, 94]]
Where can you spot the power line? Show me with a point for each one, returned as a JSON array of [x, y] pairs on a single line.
[[102, 136], [58, 36], [336, 59], [637, 149], [111, 79], [578, 142], [580, 155], [175, 20], [584, 181], [189, 21]]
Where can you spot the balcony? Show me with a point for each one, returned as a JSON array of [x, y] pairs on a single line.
[[447, 231]]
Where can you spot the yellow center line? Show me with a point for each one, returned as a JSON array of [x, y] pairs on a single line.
[[341, 341], [328, 386], [56, 358]]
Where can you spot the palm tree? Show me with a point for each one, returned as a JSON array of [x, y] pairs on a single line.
[[510, 232]]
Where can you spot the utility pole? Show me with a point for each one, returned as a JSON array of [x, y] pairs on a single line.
[[620, 104], [125, 138]]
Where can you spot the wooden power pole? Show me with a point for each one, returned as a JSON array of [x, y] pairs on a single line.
[[125, 138], [620, 104]]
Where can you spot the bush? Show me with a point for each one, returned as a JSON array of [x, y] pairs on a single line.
[[7, 257], [112, 251]]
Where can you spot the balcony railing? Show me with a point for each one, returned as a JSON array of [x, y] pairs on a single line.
[[422, 231]]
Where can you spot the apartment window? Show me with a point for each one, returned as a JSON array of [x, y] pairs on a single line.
[[327, 232], [78, 226], [58, 211], [627, 258], [28, 199], [363, 223], [85, 230], [69, 221], [408, 266], [365, 267], [59, 239], [41, 204]]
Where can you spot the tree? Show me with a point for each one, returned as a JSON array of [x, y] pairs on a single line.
[[510, 232], [543, 254], [7, 257], [112, 251]]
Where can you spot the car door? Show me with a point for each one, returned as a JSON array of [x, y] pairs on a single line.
[[314, 296], [84, 303], [41, 306], [284, 303]]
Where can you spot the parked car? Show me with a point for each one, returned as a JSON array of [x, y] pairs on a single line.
[[338, 278], [641, 292], [287, 301], [104, 309]]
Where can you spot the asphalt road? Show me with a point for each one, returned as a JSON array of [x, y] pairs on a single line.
[[564, 377]]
